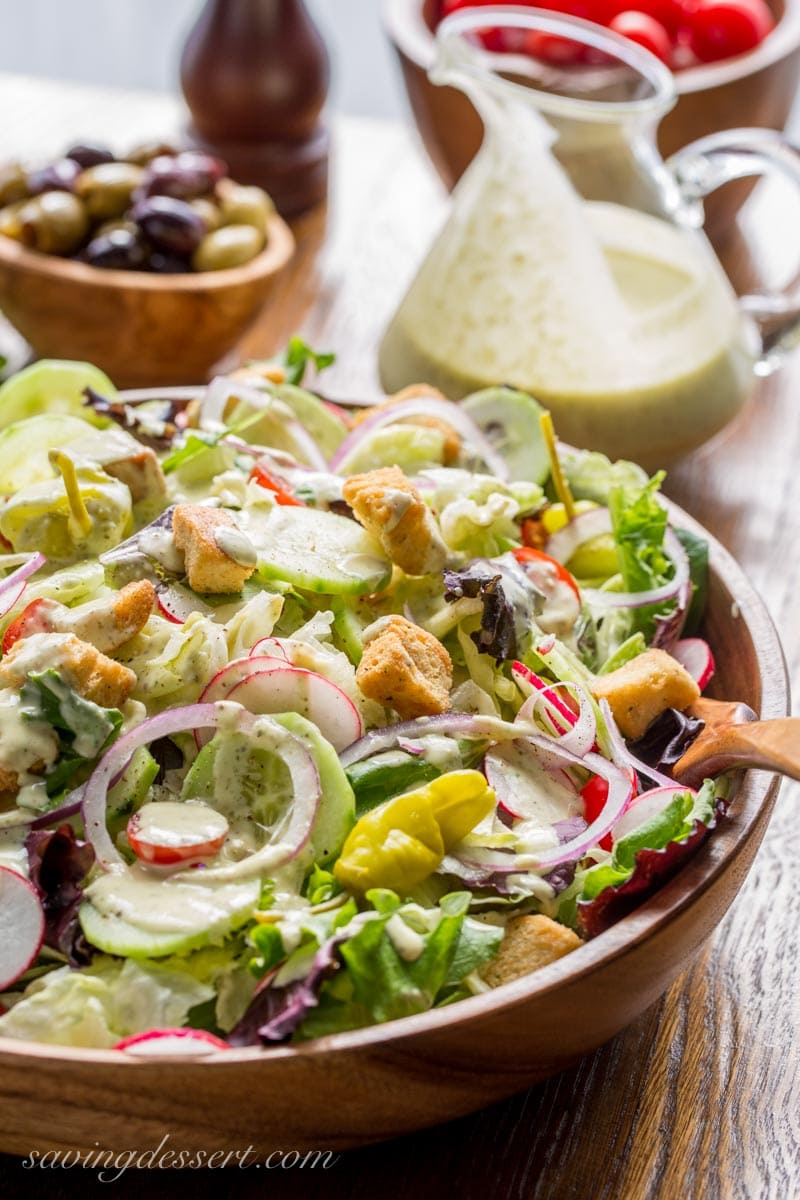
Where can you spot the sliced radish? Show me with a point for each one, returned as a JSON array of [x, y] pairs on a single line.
[[695, 656], [177, 603], [273, 648], [169, 832], [292, 689], [526, 788], [235, 673], [21, 926], [643, 808], [172, 1043], [531, 684]]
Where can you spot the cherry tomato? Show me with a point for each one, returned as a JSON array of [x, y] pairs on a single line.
[[32, 619], [526, 554], [644, 31], [672, 14], [724, 28], [263, 478], [170, 832], [594, 795]]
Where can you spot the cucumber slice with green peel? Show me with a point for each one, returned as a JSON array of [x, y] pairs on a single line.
[[318, 552], [510, 420], [53, 386], [412, 448], [269, 429], [139, 916], [348, 630], [25, 448], [336, 814]]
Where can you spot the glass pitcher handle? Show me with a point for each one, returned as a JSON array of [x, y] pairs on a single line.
[[705, 165]]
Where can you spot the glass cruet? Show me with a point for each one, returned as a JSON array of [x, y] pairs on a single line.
[[573, 263]]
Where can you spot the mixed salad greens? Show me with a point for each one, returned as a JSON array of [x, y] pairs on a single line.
[[312, 719]]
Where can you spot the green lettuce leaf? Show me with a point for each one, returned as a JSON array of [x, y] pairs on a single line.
[[84, 729]]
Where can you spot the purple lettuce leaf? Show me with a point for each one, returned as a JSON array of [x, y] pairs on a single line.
[[59, 863]]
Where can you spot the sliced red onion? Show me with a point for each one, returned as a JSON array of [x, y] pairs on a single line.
[[470, 725], [17, 577], [12, 596], [586, 525], [673, 589], [424, 406], [547, 644], [221, 390], [622, 756], [410, 747], [304, 775], [581, 735]]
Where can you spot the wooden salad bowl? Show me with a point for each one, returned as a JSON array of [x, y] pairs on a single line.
[[373, 1084], [142, 329], [753, 89]]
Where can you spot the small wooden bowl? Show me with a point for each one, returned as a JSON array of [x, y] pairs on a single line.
[[754, 89], [372, 1084], [140, 328]]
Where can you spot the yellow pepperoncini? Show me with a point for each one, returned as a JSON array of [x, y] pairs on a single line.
[[555, 516], [403, 841], [81, 511]]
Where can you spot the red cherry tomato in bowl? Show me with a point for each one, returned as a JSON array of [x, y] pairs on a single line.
[[645, 31], [724, 28], [526, 554], [169, 832]]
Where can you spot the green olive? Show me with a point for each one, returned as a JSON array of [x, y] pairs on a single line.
[[13, 183], [10, 224], [55, 223], [244, 205], [230, 246], [107, 189], [145, 152], [208, 212]]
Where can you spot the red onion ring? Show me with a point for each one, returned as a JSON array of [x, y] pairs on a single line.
[[221, 390]]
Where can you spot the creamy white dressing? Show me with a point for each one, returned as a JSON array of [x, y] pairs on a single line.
[[23, 743], [398, 503], [406, 941], [236, 545], [159, 544], [164, 903], [361, 565]]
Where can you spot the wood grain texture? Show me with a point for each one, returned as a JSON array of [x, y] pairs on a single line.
[[697, 1098]]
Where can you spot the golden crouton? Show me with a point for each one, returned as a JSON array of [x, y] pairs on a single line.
[[112, 621], [141, 473], [79, 664], [452, 440], [390, 507], [529, 943], [643, 689], [406, 668], [208, 567]]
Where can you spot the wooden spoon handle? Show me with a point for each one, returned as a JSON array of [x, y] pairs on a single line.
[[770, 745]]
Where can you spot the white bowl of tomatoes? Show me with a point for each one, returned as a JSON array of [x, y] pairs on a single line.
[[736, 63]]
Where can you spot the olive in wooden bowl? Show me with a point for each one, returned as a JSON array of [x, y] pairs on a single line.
[[152, 267]]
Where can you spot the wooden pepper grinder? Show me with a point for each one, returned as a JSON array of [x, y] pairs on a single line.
[[255, 75]]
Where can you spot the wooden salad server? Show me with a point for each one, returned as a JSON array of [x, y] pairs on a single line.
[[734, 737]]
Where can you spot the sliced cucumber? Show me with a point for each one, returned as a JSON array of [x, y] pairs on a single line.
[[53, 386], [348, 630], [318, 552], [510, 420], [269, 428], [143, 916], [25, 447], [336, 815], [412, 448]]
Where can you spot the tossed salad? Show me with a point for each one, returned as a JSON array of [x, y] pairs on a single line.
[[312, 719]]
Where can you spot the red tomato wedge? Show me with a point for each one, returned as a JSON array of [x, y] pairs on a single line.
[[594, 795], [526, 554], [32, 619], [272, 483], [170, 832]]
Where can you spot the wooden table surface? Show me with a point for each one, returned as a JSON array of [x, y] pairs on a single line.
[[700, 1098]]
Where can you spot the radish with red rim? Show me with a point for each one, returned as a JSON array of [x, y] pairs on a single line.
[[172, 1043], [282, 688], [694, 654], [21, 926], [645, 807]]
